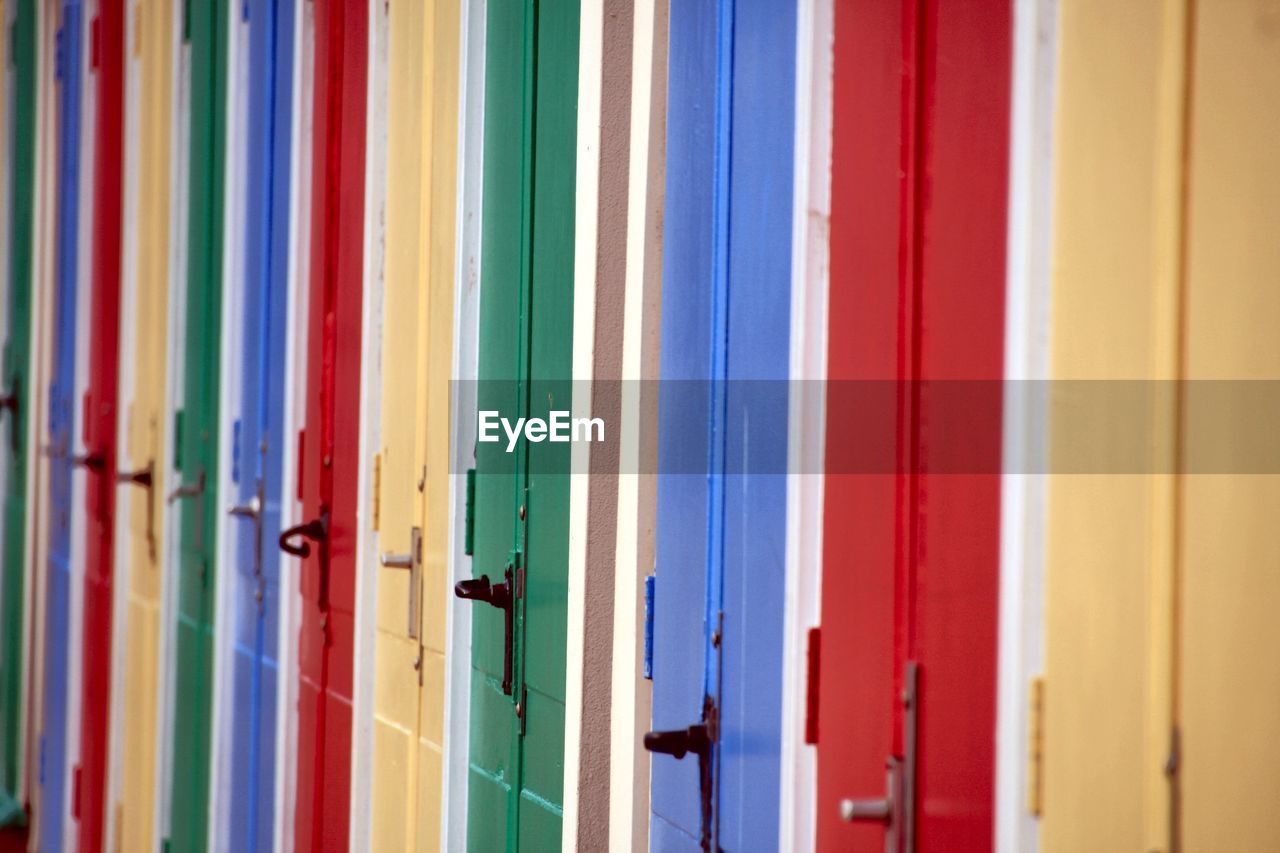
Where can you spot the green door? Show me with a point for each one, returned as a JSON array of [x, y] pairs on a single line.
[[16, 385], [196, 433], [515, 794]]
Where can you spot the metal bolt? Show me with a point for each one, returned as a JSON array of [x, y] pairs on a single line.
[[327, 460], [906, 699], [715, 640], [522, 512], [520, 710]]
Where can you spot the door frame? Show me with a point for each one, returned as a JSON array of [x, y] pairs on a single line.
[[806, 431], [462, 433]]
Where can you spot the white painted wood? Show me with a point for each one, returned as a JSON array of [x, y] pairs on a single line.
[[462, 432], [806, 428], [1023, 495], [179, 183], [295, 411], [375, 195], [123, 541], [231, 367], [586, 208]]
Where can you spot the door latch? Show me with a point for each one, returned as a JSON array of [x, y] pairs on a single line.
[[413, 562], [192, 490], [698, 739], [92, 461], [896, 809], [500, 596], [317, 530], [144, 478]]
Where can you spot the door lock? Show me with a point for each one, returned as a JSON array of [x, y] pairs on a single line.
[[413, 562], [500, 596]]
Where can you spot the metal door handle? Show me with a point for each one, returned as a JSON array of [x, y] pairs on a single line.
[[250, 509], [92, 461], [413, 562], [142, 477], [499, 596], [191, 491], [680, 742], [317, 530]]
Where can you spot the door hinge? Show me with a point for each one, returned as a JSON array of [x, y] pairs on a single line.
[[302, 446], [469, 518], [75, 792], [376, 511], [811, 686], [186, 20], [649, 582], [179, 417], [1035, 746]]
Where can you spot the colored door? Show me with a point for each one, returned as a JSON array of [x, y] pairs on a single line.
[[54, 783], [196, 431], [520, 554], [414, 465], [717, 632], [906, 669], [258, 435], [144, 459], [330, 442], [100, 419], [15, 389], [1164, 270]]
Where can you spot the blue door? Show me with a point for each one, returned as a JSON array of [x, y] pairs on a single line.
[[54, 808], [258, 435], [721, 529]]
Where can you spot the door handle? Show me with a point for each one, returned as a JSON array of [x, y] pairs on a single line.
[[145, 478], [250, 509], [680, 742], [93, 461], [317, 530], [194, 490], [896, 809], [413, 562], [500, 596]]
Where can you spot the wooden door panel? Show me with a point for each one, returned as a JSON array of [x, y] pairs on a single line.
[[1228, 693]]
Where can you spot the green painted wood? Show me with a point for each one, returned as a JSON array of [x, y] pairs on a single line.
[[198, 445], [515, 798], [17, 385]]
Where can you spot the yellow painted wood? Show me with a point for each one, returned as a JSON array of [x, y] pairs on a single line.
[[1108, 573], [414, 464], [1228, 696], [145, 442]]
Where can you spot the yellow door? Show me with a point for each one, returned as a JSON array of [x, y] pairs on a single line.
[[1228, 675], [151, 33], [413, 478], [1161, 577]]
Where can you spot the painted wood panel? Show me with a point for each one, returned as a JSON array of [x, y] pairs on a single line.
[[414, 464]]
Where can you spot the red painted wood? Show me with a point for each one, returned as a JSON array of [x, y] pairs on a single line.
[[330, 452], [911, 566], [101, 413]]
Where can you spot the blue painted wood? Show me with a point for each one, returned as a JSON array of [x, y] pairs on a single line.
[[259, 438], [54, 785], [724, 361]]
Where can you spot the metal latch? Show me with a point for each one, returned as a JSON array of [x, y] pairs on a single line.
[[413, 562], [500, 596]]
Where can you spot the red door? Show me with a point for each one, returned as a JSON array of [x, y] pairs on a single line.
[[106, 57], [329, 445], [906, 682]]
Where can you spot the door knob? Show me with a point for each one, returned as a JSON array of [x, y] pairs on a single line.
[[500, 596], [317, 530], [413, 562]]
